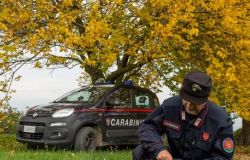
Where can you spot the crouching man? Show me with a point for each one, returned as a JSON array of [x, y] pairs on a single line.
[[196, 128]]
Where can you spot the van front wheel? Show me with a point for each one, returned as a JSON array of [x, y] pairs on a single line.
[[85, 139]]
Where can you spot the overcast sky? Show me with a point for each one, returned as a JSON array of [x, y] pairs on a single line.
[[40, 86]]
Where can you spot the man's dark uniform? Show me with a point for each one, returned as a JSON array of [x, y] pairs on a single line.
[[207, 136], [203, 135]]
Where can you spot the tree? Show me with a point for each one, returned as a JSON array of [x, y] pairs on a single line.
[[150, 42]]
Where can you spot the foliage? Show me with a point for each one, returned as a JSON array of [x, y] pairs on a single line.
[[237, 135], [8, 120], [9, 143], [149, 42]]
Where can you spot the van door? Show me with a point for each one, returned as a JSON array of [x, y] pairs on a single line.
[[119, 116], [144, 103]]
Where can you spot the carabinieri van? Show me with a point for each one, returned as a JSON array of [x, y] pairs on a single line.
[[88, 117]]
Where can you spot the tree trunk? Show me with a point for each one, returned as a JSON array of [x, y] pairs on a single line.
[[94, 73], [245, 133]]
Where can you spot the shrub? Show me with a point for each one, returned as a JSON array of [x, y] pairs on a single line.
[[8, 120], [8, 143]]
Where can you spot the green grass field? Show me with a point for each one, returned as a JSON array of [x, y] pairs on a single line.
[[12, 150], [64, 155]]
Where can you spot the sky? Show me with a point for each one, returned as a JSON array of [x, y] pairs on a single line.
[[41, 86]]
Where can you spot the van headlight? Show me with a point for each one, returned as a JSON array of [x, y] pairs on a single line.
[[63, 113]]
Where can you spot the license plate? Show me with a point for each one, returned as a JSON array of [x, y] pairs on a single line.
[[29, 129]]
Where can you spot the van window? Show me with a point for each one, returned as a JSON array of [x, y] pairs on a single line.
[[90, 95], [122, 97], [143, 99]]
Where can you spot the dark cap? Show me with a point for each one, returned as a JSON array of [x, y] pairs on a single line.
[[196, 87]]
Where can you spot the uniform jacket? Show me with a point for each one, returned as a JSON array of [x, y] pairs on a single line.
[[207, 137]]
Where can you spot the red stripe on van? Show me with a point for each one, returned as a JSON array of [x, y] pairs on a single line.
[[116, 110]]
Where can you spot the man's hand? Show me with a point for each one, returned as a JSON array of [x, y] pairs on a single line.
[[164, 155]]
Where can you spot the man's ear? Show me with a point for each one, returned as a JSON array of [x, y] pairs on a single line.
[[184, 102]]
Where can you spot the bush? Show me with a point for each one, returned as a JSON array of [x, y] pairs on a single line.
[[8, 120], [8, 143]]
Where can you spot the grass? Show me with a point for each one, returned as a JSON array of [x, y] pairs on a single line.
[[12, 150], [64, 155]]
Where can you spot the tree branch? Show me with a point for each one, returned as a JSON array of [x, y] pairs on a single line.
[[124, 70]]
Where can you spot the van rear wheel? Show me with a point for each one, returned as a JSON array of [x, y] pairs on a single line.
[[85, 139]]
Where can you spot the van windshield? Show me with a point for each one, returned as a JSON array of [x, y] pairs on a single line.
[[89, 94]]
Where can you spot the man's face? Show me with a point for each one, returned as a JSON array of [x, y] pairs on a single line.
[[193, 109]]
